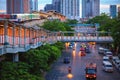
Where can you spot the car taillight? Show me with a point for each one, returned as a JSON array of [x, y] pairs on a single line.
[[94, 75], [87, 75]]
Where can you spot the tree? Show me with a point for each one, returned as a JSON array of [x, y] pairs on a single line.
[[116, 35], [102, 19], [16, 71], [54, 25]]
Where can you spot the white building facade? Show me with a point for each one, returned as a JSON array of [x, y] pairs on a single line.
[[70, 8], [90, 8]]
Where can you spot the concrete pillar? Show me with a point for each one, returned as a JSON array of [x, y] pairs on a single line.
[[19, 35], [97, 35], [24, 36], [16, 57], [13, 35], [6, 33]]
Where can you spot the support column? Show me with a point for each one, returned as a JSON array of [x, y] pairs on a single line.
[[6, 33], [97, 34], [13, 35], [16, 57], [5, 36], [19, 36], [24, 36]]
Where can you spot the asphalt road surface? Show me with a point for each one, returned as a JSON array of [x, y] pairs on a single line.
[[59, 70]]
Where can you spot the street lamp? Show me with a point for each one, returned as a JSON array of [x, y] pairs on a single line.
[[70, 76]]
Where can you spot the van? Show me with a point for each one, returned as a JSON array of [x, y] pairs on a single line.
[[107, 66]]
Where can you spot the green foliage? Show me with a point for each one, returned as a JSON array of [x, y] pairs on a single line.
[[59, 45], [53, 51], [16, 71], [109, 25], [37, 59], [116, 33], [54, 25], [34, 63], [71, 21], [100, 19]]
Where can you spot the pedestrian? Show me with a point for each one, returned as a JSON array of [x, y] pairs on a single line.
[[69, 69]]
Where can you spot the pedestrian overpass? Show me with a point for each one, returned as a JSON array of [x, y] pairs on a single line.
[[15, 38]]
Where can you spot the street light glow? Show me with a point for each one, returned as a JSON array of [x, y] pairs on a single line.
[[70, 76]]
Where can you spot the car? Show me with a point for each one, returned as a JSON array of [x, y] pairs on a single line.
[[107, 66], [105, 50], [119, 68], [114, 58], [87, 50], [82, 49], [102, 50], [117, 63], [82, 53], [105, 58], [66, 60], [109, 54]]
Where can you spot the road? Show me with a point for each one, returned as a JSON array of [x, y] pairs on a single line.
[[59, 69]]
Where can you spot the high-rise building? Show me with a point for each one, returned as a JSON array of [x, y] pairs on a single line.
[[113, 11], [31, 5], [48, 7], [119, 12], [90, 8], [18, 6], [70, 8], [56, 5], [118, 8], [36, 5]]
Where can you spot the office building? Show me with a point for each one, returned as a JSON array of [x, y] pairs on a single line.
[[90, 8], [118, 11], [56, 5], [35, 5], [48, 7], [70, 8], [17, 6], [113, 11], [31, 5], [118, 8]]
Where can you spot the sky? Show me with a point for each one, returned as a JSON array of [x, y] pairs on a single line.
[[104, 4]]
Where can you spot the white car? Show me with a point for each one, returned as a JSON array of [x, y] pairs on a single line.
[[107, 66], [109, 54], [105, 58], [117, 63], [114, 58]]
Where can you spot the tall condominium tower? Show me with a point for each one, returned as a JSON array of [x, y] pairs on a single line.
[[113, 11], [36, 5], [18, 6], [90, 8], [56, 5], [70, 8], [31, 5], [118, 8]]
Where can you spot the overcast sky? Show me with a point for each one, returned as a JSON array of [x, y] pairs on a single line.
[[104, 4]]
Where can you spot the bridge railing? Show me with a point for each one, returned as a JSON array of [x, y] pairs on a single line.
[[83, 38]]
